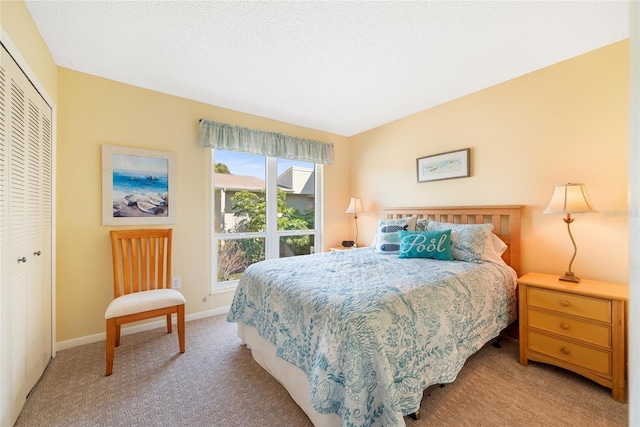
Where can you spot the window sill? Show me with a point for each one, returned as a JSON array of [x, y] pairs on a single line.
[[224, 287]]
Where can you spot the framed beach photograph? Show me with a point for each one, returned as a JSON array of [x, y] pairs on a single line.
[[453, 164], [138, 186]]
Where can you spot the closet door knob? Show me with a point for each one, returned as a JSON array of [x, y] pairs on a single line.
[[23, 259], [38, 253]]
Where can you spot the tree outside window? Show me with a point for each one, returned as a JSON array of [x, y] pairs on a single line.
[[249, 210]]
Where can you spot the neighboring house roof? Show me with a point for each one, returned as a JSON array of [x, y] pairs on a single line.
[[238, 182], [297, 180]]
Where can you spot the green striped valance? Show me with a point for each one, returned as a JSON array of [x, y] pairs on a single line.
[[235, 138]]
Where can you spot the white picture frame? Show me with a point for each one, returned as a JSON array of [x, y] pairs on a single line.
[[138, 186]]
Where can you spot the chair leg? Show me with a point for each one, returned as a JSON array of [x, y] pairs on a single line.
[[117, 335], [111, 344], [169, 323], [181, 327]]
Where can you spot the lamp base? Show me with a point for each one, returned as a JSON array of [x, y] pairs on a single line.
[[570, 277]]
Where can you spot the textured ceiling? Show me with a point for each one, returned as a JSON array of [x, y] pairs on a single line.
[[341, 67]]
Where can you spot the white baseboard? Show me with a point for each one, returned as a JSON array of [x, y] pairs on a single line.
[[63, 345]]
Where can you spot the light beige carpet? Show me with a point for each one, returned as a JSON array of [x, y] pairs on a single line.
[[217, 383]]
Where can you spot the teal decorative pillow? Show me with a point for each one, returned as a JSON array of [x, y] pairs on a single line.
[[467, 240], [426, 244], [387, 239]]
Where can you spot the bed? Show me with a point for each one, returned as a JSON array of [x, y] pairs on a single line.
[[356, 336]]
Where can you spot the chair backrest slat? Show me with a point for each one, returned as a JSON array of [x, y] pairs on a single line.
[[147, 261], [136, 265], [141, 260], [126, 264], [160, 254]]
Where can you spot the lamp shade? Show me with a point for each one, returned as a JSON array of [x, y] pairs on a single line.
[[569, 198], [355, 206]]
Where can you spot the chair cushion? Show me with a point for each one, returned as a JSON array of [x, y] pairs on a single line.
[[138, 302]]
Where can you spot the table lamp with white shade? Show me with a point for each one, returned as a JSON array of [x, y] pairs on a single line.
[[355, 207], [569, 199]]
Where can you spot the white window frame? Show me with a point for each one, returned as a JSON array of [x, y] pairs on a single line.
[[272, 235]]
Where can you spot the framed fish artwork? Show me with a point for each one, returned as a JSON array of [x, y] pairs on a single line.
[[453, 164]]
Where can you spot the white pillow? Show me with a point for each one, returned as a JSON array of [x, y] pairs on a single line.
[[494, 247]]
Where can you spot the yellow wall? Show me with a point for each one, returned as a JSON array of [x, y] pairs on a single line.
[[95, 111], [564, 123], [16, 21]]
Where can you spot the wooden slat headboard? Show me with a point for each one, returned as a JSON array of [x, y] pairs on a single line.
[[505, 220]]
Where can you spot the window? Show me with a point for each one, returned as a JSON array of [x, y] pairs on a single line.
[[263, 208]]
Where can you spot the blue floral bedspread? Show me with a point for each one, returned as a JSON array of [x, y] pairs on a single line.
[[372, 331]]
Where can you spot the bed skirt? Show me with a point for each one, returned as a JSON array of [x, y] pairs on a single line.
[[290, 376]]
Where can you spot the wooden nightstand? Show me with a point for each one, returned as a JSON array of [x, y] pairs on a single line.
[[576, 326], [340, 248]]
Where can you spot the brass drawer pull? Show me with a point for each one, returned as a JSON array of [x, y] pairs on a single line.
[[564, 326], [564, 350], [564, 303]]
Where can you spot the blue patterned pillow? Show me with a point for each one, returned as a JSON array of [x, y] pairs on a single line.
[[467, 240], [426, 244], [387, 239], [421, 224]]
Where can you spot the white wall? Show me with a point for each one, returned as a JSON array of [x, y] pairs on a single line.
[[634, 217]]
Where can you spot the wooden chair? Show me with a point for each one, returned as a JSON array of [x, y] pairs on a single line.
[[142, 284]]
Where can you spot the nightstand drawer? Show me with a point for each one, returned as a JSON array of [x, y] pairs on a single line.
[[570, 327], [596, 360], [590, 308]]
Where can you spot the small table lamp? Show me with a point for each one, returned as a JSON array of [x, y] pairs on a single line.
[[567, 199], [355, 207]]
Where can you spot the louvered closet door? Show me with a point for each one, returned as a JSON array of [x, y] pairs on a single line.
[[25, 237]]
